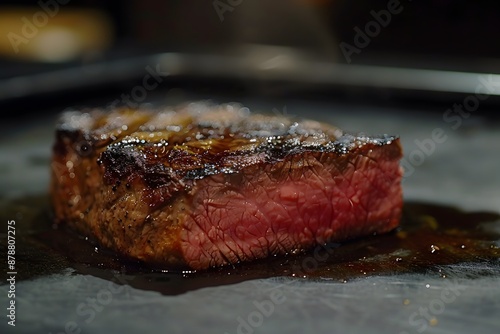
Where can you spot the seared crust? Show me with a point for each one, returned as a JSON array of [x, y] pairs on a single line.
[[174, 147]]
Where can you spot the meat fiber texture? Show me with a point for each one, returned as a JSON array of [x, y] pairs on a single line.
[[200, 185]]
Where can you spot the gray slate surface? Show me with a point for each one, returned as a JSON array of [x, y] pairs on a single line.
[[463, 171]]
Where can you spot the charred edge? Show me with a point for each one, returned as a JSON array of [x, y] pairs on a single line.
[[159, 184], [276, 149], [127, 160], [67, 140], [120, 163], [63, 137]]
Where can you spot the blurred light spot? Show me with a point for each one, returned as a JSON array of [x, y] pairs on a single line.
[[57, 45]]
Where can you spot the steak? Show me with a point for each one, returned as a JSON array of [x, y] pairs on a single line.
[[202, 185]]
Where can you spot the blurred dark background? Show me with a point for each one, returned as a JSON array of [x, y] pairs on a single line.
[[84, 52]]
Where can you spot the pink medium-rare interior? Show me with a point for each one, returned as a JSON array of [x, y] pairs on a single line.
[[316, 203]]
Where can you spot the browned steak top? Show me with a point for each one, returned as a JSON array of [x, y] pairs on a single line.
[[171, 147]]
